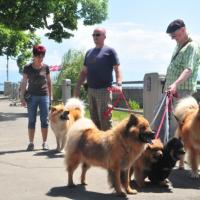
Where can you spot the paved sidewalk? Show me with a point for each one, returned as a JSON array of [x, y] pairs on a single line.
[[41, 175]]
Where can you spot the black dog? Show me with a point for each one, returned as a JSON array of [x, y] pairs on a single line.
[[161, 169]]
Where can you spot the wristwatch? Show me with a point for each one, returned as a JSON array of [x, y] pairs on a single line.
[[119, 84]]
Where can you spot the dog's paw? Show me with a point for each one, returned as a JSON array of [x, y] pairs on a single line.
[[121, 194], [71, 185], [194, 174], [58, 149], [181, 167], [131, 191], [164, 183], [83, 183], [141, 184]]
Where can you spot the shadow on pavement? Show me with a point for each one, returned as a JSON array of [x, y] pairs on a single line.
[[182, 179], [13, 151], [149, 187], [11, 116], [18, 151], [79, 193], [177, 179], [50, 154], [38, 152]]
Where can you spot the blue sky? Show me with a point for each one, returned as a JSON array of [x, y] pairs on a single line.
[[136, 29]]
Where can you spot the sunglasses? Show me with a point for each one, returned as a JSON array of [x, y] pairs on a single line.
[[96, 34], [40, 56]]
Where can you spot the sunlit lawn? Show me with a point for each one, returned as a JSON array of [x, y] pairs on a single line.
[[116, 115]]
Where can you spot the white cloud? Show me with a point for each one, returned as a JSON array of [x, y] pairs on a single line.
[[140, 50]]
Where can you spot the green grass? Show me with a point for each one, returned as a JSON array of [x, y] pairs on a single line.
[[116, 115]]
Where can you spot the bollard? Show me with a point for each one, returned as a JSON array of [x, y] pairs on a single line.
[[152, 90], [7, 88], [66, 90]]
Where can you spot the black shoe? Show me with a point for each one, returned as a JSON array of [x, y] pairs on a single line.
[[30, 147]]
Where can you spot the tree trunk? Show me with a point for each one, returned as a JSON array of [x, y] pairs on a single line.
[[7, 75]]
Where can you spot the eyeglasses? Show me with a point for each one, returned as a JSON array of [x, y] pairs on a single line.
[[96, 34]]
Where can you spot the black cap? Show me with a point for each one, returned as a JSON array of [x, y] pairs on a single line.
[[175, 25]]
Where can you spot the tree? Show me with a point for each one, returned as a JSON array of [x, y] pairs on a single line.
[[58, 16], [71, 67], [16, 43]]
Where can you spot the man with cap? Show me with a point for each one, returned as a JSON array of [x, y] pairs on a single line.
[[181, 76]]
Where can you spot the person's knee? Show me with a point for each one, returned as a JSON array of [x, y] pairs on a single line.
[[31, 124], [44, 123]]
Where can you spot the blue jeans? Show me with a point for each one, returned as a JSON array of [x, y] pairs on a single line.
[[43, 103]]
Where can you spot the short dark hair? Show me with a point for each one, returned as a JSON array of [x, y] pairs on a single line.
[[175, 25], [39, 50]]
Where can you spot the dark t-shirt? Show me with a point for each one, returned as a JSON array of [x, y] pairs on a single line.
[[37, 81], [99, 63]]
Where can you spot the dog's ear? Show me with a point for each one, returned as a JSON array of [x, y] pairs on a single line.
[[53, 108], [133, 121]]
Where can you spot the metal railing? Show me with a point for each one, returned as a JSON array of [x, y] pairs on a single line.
[[127, 86]]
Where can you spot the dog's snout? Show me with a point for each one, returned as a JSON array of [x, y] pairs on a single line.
[[152, 135], [64, 115], [147, 137], [159, 153], [182, 151]]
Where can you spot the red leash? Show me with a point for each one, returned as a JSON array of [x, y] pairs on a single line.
[[168, 108], [121, 96]]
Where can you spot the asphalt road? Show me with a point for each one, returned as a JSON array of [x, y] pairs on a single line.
[[41, 175]]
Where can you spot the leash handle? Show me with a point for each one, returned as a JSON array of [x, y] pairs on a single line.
[[118, 91], [168, 106], [121, 95]]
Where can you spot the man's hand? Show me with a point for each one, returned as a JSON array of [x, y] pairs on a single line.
[[118, 88], [172, 89]]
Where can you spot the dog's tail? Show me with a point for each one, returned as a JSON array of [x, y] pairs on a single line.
[[76, 103], [184, 106]]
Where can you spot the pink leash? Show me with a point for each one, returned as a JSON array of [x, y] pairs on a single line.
[[168, 108], [121, 96]]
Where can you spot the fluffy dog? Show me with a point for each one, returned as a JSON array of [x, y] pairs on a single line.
[[115, 149], [62, 117], [188, 114], [161, 169], [142, 166]]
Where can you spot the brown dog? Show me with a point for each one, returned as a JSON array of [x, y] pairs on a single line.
[[115, 149], [143, 164], [62, 117], [188, 114]]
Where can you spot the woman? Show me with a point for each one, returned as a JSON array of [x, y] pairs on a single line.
[[37, 83]]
